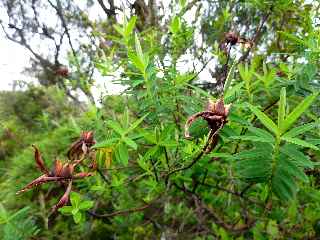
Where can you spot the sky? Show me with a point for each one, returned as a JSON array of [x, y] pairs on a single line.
[[13, 59]]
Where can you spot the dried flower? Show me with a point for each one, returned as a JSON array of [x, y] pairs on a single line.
[[62, 173], [216, 115], [81, 146]]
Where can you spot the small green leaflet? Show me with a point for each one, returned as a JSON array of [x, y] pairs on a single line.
[[75, 199], [229, 78], [129, 27], [136, 123], [251, 138], [175, 25], [116, 127], [106, 143], [301, 129], [300, 159], [85, 205], [297, 112], [130, 143], [123, 155], [266, 121], [299, 142], [282, 108]]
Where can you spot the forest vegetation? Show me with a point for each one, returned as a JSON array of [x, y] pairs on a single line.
[[214, 135]]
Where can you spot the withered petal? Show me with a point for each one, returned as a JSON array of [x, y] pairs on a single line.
[[64, 199], [82, 175], [74, 149], [84, 148], [57, 169], [67, 170], [39, 160], [38, 181], [219, 108], [191, 119]]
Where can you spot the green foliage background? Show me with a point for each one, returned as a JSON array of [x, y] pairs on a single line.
[[260, 182]]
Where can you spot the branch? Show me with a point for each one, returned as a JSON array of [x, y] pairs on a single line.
[[203, 67], [59, 11], [217, 219], [102, 175], [257, 35], [122, 212], [23, 42], [237, 194], [188, 7], [110, 12], [195, 160]]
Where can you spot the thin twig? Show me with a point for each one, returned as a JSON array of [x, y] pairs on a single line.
[[257, 35], [196, 159], [122, 212], [103, 176]]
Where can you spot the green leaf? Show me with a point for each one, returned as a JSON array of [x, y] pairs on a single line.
[[283, 185], [261, 133], [272, 229], [75, 199], [293, 38], [125, 118], [123, 154], [300, 142], [66, 209], [136, 123], [116, 127], [265, 120], [182, 3], [282, 108], [150, 137], [85, 205], [18, 213], [77, 217], [231, 93], [168, 143], [251, 138], [301, 129], [130, 143], [119, 29], [296, 113], [129, 27], [175, 25], [292, 168], [255, 164], [136, 62], [106, 143], [300, 159], [246, 74], [143, 164], [199, 90], [138, 48], [229, 78], [314, 141], [74, 211], [151, 153], [221, 155]]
